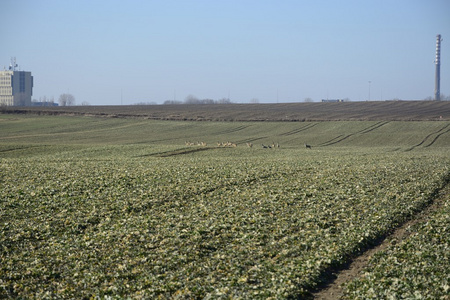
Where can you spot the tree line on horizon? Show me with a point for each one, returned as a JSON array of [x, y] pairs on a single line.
[[67, 99], [194, 100]]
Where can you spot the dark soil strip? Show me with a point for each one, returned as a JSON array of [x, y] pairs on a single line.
[[177, 152], [438, 133], [285, 112], [17, 149], [298, 130], [330, 141], [436, 137], [365, 130], [333, 289], [233, 130], [376, 126], [14, 149]]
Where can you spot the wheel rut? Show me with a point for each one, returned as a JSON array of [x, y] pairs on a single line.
[[333, 289], [340, 138], [438, 133]]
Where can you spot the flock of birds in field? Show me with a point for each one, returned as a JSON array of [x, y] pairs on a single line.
[[231, 144]]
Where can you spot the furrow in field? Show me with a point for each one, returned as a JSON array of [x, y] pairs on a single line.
[[376, 126], [17, 149], [438, 133], [295, 131], [64, 133], [233, 130], [341, 138], [335, 140], [333, 288], [182, 151], [437, 137]]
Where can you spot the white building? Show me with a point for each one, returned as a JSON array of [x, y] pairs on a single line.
[[16, 87]]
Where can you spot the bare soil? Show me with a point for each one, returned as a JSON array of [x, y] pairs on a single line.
[[289, 112]]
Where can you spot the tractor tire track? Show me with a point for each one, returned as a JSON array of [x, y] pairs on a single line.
[[438, 134], [295, 131], [17, 149], [436, 137], [333, 289], [376, 126], [179, 151], [329, 141], [232, 130], [73, 132], [363, 131]]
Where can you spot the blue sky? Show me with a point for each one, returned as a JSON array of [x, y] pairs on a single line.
[[125, 52]]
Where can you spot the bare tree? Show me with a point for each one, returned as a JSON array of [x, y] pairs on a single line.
[[307, 99], [223, 101], [66, 100], [444, 97], [191, 99]]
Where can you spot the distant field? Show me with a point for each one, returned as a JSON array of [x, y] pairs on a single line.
[[350, 111], [127, 207], [66, 130]]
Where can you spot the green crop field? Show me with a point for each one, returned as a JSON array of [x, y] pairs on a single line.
[[136, 208], [416, 268]]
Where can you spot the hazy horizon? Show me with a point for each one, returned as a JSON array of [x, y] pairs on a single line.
[[115, 52]]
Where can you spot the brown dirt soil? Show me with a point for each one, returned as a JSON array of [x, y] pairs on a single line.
[[333, 290], [288, 112]]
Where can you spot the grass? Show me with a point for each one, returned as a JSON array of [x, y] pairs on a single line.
[[91, 131], [415, 268], [97, 206]]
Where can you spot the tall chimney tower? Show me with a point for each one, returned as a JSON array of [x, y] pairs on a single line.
[[437, 78]]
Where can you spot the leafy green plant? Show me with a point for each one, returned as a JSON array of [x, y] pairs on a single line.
[[415, 268], [81, 219]]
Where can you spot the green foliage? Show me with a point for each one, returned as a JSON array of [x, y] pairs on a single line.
[[82, 217], [417, 268], [57, 130]]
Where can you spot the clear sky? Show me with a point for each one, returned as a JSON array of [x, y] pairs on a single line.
[[125, 52]]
